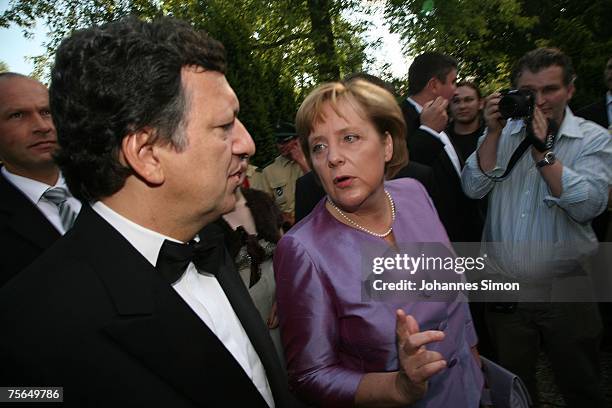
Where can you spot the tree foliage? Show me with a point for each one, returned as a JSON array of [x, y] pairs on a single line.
[[277, 50], [489, 36]]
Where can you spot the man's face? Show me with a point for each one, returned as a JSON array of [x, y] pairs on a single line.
[[27, 134], [552, 95], [205, 174], [465, 105], [608, 74], [447, 89]]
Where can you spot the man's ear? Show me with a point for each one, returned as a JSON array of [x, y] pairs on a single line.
[[571, 88], [139, 151], [433, 84]]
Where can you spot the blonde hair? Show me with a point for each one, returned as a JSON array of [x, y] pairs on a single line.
[[371, 101]]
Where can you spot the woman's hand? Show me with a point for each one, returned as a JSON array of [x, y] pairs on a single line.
[[417, 364]]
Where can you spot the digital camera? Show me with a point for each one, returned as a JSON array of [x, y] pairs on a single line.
[[516, 103]]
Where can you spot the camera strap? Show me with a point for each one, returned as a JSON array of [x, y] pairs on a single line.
[[516, 155], [530, 139]]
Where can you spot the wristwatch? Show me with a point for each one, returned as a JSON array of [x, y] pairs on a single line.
[[549, 158]]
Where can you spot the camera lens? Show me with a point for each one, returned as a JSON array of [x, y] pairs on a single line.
[[516, 104]]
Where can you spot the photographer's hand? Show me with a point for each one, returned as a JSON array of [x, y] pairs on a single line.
[[551, 173], [487, 152], [492, 117], [540, 130]]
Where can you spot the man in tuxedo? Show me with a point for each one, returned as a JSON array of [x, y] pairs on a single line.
[[128, 309], [36, 207], [432, 79]]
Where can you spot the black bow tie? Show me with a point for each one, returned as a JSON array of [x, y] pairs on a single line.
[[174, 257]]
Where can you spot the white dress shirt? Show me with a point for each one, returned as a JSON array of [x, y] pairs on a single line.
[[204, 296], [443, 137], [34, 190]]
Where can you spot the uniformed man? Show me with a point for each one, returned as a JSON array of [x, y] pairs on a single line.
[[280, 176], [254, 178]]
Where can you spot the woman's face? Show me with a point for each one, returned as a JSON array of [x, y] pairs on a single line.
[[349, 155]]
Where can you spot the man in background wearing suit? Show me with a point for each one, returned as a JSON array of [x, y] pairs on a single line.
[[600, 112], [432, 80], [127, 309], [36, 207]]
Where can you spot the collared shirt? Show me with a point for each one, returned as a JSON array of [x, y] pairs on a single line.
[[442, 136], [34, 190], [522, 208], [204, 296]]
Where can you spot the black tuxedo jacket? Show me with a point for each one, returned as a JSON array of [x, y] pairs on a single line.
[[308, 192], [457, 212], [94, 316], [25, 232], [596, 112]]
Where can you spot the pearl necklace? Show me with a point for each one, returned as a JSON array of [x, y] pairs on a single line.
[[364, 229]]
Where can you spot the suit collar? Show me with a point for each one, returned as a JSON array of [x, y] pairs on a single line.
[[24, 217], [147, 242], [156, 326], [417, 106]]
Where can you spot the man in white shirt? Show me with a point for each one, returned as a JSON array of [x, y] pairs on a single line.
[[29, 220], [129, 310]]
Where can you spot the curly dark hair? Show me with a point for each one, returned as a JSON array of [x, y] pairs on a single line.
[[118, 78]]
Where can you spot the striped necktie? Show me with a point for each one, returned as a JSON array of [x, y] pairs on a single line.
[[58, 196]]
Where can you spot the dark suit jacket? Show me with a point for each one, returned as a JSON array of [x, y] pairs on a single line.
[[455, 209], [92, 315], [25, 232], [598, 113], [308, 192]]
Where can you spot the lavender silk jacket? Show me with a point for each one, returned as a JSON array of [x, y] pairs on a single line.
[[332, 338]]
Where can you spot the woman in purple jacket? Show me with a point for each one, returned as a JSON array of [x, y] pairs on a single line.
[[340, 349]]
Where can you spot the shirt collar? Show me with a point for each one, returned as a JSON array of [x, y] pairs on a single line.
[[570, 126], [144, 240], [33, 189], [416, 105]]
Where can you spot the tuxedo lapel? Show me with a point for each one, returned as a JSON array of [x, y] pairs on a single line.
[[448, 167], [249, 317], [155, 325], [252, 323], [23, 217]]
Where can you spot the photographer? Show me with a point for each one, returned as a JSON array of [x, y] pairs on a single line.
[[550, 196]]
